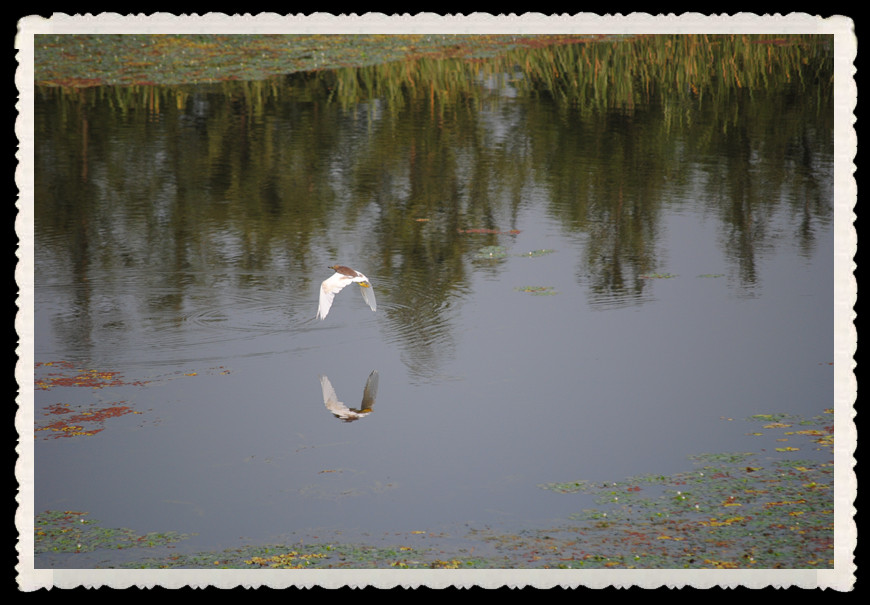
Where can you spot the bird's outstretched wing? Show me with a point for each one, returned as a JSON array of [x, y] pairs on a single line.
[[330, 399], [369, 295], [328, 289], [370, 393]]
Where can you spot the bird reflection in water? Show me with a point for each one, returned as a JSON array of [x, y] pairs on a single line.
[[341, 411]]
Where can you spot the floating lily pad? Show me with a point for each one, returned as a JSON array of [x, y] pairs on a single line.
[[491, 253], [535, 253], [658, 276]]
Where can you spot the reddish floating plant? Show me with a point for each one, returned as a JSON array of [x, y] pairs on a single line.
[[85, 423]]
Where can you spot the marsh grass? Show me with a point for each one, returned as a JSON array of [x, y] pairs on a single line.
[[587, 73]]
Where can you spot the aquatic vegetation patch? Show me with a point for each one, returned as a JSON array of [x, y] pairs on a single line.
[[537, 253], [740, 510], [67, 420], [537, 290], [286, 560], [500, 252], [75, 421], [51, 374], [658, 276], [490, 231], [313, 556], [711, 275], [491, 253], [72, 532], [785, 420]]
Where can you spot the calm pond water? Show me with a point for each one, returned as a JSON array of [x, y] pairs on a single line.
[[564, 293]]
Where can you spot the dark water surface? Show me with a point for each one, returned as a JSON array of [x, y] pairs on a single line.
[[687, 250]]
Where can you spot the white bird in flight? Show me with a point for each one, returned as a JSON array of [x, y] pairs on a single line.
[[333, 285]]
